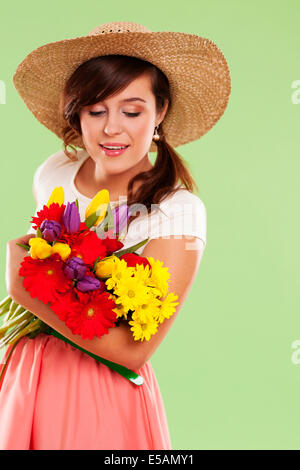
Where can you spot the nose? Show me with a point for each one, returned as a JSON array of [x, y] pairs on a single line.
[[112, 125]]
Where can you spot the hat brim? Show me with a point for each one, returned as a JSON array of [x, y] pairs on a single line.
[[197, 71]]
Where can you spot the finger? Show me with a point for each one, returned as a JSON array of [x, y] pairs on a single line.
[[23, 240]]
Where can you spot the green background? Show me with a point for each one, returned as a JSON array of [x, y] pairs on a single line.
[[226, 369]]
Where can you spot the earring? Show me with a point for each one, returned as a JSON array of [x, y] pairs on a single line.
[[156, 135]]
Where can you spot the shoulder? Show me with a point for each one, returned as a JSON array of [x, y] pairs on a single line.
[[181, 213], [182, 201], [53, 171], [57, 161]]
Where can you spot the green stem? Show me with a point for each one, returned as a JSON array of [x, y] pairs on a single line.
[[11, 313], [12, 334], [15, 313], [5, 304], [13, 307], [26, 314], [32, 326], [7, 299]]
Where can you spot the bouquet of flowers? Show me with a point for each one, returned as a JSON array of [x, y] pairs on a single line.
[[81, 271]]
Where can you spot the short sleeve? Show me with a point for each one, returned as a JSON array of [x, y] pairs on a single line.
[[35, 186], [53, 171], [182, 213]]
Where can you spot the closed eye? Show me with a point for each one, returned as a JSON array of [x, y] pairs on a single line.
[[97, 113]]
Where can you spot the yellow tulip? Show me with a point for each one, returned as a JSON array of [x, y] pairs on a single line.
[[39, 248], [104, 267], [57, 195], [100, 201], [62, 249]]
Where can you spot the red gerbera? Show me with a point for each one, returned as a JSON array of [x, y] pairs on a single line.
[[111, 244], [71, 238], [92, 316], [53, 212], [132, 259], [63, 304], [44, 278], [89, 247]]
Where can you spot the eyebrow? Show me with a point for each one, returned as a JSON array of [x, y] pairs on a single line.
[[134, 99]]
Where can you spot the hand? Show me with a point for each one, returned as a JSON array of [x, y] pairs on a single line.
[[14, 257]]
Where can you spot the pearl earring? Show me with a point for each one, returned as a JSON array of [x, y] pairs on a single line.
[[156, 135]]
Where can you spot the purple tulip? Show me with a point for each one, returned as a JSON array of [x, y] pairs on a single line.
[[75, 268], [51, 230], [88, 283], [121, 215], [71, 218]]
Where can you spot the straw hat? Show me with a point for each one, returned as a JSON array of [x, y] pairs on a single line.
[[197, 71]]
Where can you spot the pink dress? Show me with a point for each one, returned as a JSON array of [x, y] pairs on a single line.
[[54, 396]]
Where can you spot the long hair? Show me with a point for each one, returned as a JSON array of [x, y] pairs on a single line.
[[101, 77]]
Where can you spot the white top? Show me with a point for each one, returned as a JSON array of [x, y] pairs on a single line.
[[182, 213]]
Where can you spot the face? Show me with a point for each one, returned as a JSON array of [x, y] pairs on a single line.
[[120, 119]]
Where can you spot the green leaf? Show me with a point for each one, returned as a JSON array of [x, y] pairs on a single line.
[[27, 247], [107, 223], [131, 249], [97, 259], [91, 219], [39, 233]]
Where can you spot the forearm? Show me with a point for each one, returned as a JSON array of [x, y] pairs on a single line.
[[117, 345]]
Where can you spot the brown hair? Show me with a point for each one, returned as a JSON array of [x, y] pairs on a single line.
[[100, 77]]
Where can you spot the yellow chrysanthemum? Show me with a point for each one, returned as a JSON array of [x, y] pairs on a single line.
[[104, 267], [159, 276], [167, 307], [119, 310], [120, 271], [143, 330], [39, 248], [147, 310], [142, 273], [131, 293], [62, 249]]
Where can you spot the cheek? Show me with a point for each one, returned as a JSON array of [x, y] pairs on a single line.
[[142, 131], [87, 127]]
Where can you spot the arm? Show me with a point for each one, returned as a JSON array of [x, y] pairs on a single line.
[[116, 346], [183, 264]]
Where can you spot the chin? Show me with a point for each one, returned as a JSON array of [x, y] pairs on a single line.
[[114, 168]]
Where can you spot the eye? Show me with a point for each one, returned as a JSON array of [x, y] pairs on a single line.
[[94, 113], [97, 113], [133, 114]]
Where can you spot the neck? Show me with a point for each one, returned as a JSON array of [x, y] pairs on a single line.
[[117, 184]]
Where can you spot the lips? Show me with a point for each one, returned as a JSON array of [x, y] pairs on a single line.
[[113, 152], [113, 145]]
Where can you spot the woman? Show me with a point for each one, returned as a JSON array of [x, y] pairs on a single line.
[[120, 86]]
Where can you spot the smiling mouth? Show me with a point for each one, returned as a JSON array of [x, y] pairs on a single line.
[[119, 148]]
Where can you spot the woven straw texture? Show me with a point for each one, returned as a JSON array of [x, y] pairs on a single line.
[[197, 71]]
